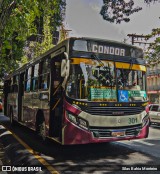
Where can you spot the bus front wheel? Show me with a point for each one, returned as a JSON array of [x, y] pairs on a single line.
[[40, 125]]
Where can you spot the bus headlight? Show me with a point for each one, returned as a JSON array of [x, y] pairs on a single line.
[[83, 123], [72, 118], [78, 121]]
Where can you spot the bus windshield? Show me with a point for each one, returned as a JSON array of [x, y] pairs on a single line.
[[93, 80]]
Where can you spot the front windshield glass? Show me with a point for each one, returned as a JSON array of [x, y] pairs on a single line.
[[94, 80], [131, 85], [130, 79]]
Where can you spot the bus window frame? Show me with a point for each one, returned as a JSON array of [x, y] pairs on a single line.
[[27, 79], [43, 73], [36, 78]]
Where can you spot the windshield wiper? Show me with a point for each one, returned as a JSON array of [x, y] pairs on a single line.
[[98, 60], [108, 75], [126, 73]]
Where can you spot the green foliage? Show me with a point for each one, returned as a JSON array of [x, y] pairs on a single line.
[[153, 51], [29, 18], [40, 48], [116, 11]]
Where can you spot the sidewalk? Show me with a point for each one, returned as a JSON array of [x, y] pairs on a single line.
[[2, 157], [17, 158]]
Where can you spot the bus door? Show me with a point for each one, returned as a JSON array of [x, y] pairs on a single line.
[[56, 103]]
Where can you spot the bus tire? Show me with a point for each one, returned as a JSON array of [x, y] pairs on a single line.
[[40, 125]]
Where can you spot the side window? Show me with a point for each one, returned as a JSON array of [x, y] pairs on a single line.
[[44, 74], [155, 108], [11, 85], [22, 83], [28, 80], [15, 83], [35, 77]]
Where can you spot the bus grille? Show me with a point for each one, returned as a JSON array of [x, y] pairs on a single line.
[[96, 110], [107, 132]]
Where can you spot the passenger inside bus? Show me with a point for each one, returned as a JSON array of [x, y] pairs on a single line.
[[130, 79]]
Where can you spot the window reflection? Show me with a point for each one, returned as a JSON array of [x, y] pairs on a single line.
[[101, 81], [130, 79], [86, 78]]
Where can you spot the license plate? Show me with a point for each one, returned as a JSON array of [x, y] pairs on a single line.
[[118, 134]]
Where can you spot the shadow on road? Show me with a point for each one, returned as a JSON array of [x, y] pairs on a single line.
[[90, 158]]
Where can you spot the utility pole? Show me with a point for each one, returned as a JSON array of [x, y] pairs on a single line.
[[141, 39], [63, 33]]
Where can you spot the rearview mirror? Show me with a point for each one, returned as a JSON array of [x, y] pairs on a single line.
[[65, 67]]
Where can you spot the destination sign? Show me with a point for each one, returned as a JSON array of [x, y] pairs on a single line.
[[107, 47], [108, 50]]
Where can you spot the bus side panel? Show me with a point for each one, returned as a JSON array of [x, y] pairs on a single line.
[[28, 113], [32, 102], [74, 135], [13, 103]]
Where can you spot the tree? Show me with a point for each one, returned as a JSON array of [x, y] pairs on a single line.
[[116, 11], [28, 19], [153, 51]]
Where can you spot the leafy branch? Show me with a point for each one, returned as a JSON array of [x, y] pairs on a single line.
[[29, 19], [116, 11]]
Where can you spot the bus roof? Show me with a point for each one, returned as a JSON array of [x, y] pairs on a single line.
[[104, 40], [65, 43]]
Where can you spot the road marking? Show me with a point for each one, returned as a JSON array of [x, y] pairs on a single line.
[[137, 141], [39, 158], [146, 143], [2, 127]]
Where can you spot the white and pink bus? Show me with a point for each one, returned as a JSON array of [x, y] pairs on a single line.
[[84, 90]]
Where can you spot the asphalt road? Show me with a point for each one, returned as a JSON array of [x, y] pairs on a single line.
[[140, 156], [150, 145]]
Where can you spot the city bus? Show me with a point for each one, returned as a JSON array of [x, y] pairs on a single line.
[[83, 90]]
